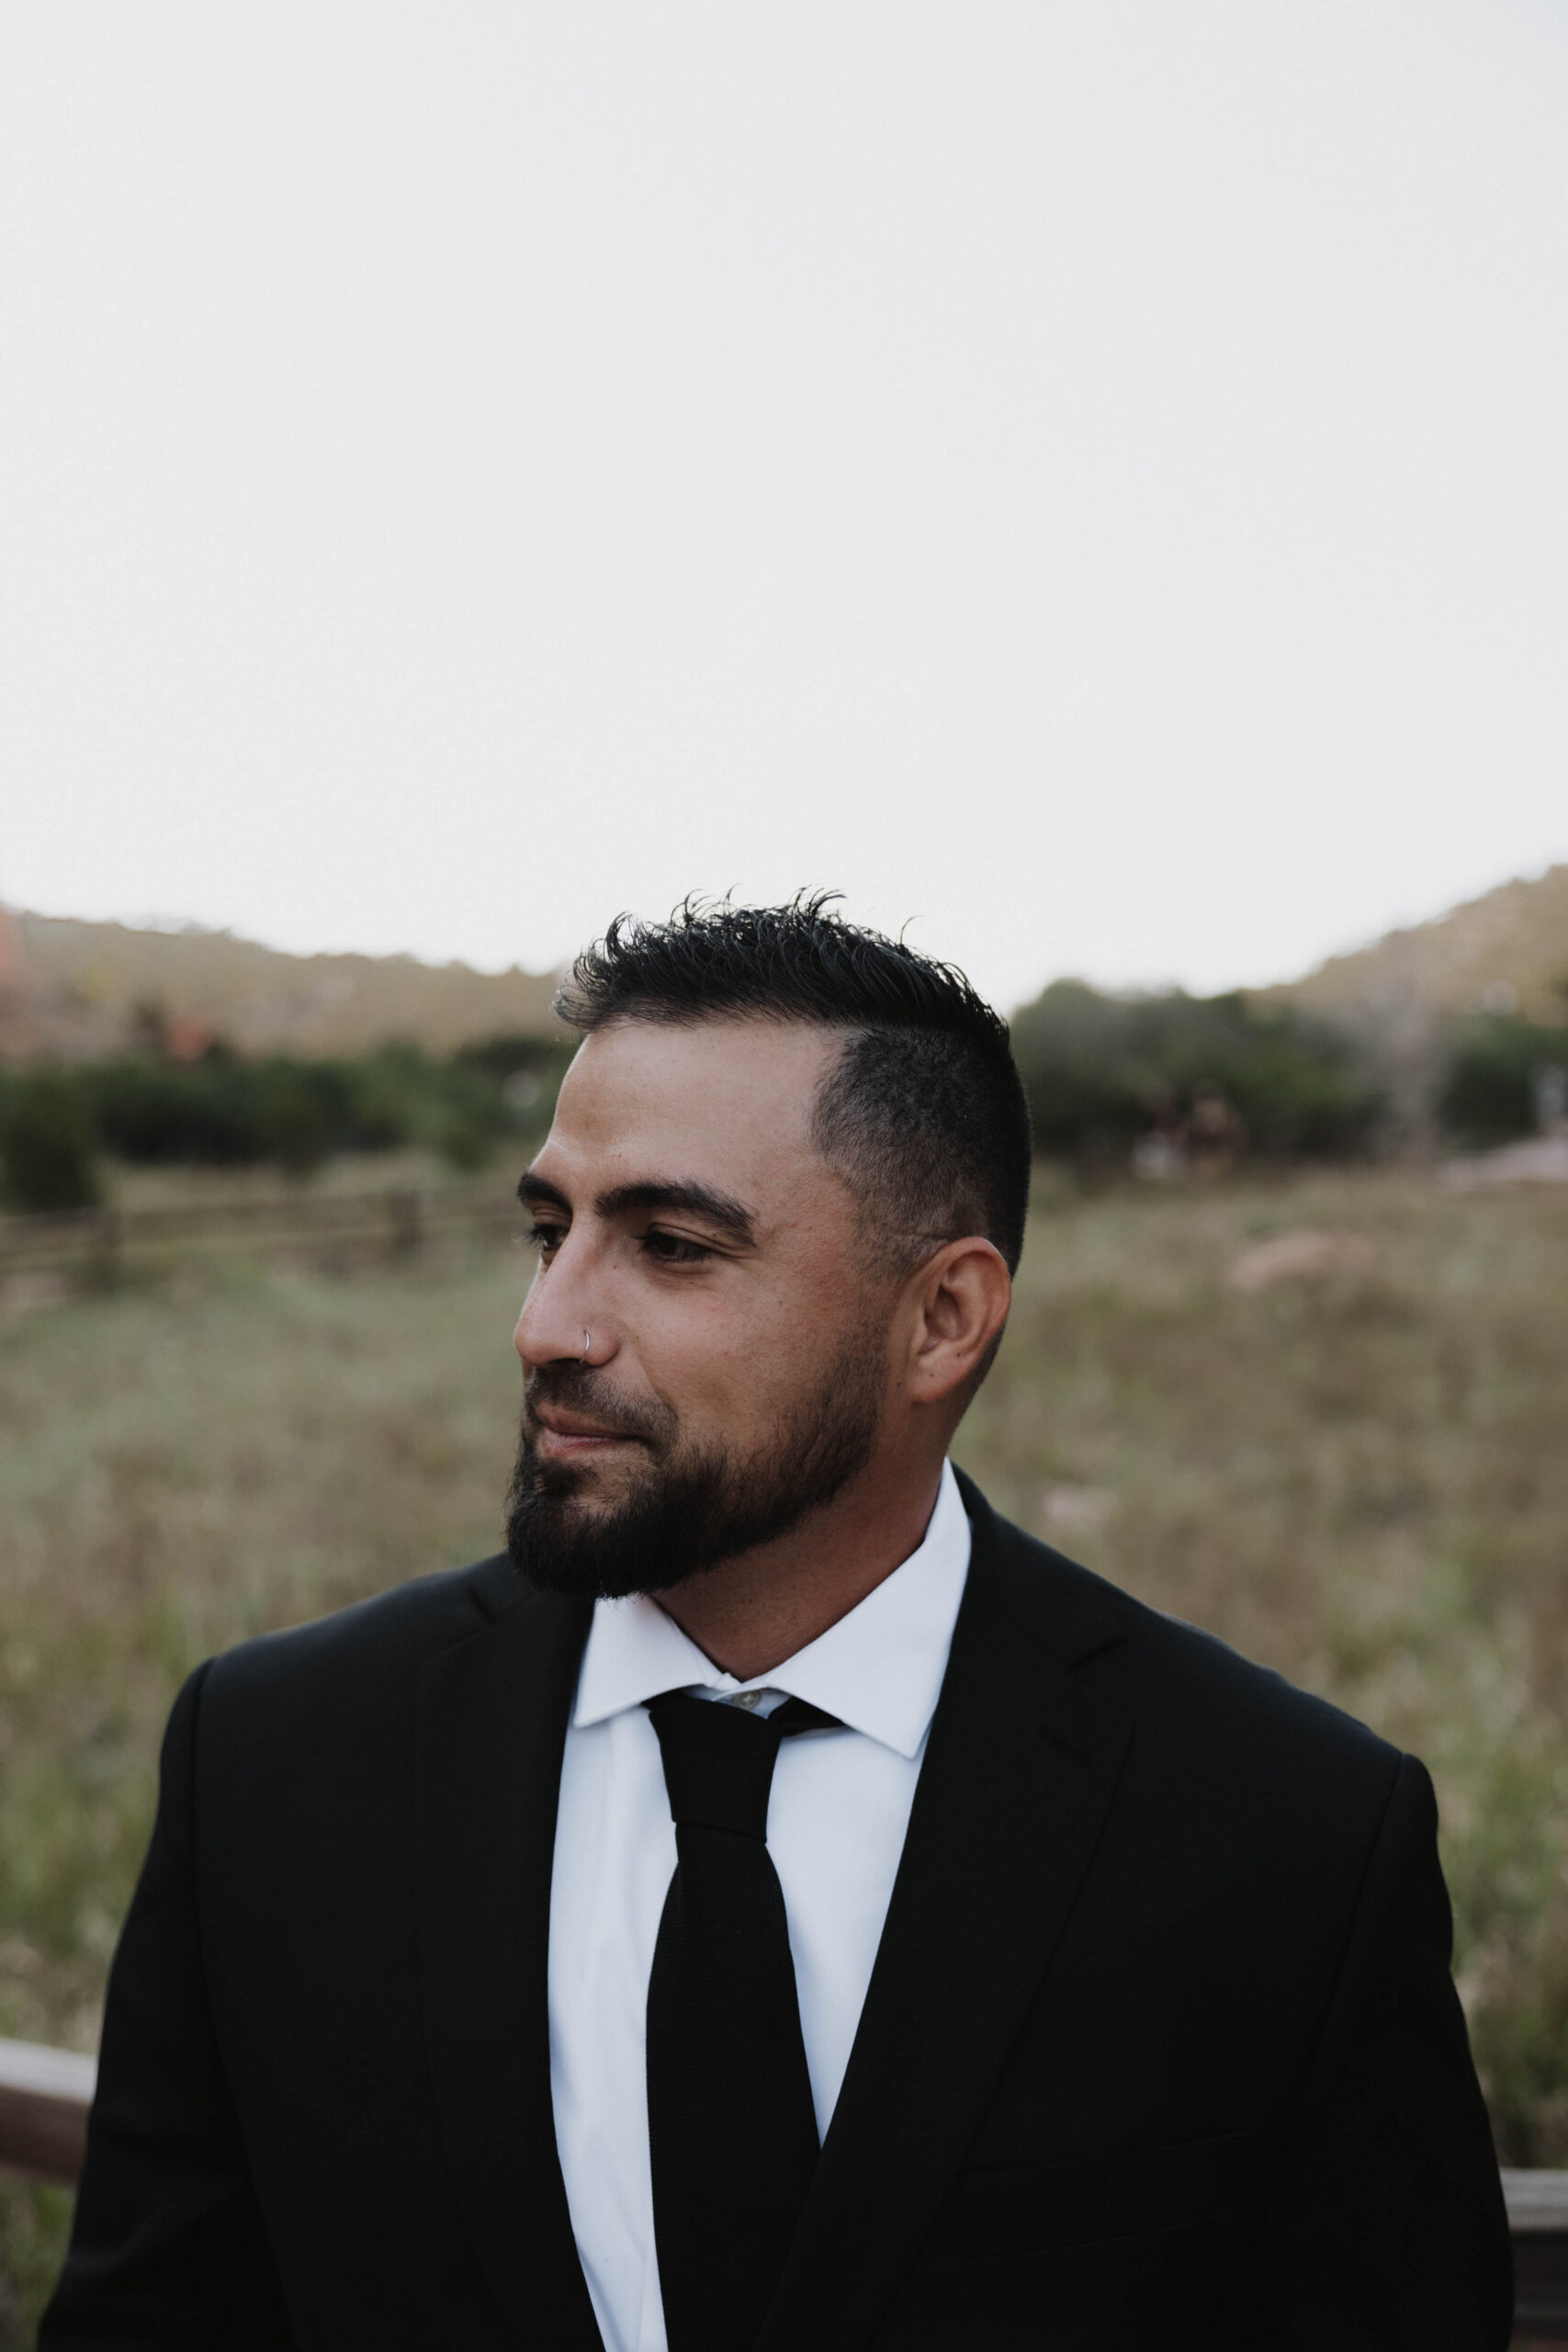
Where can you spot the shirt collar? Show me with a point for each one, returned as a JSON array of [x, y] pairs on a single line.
[[879, 1669]]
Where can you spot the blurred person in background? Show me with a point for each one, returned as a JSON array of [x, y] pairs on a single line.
[[1216, 1133], [776, 1902]]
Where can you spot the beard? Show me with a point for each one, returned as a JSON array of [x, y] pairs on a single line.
[[688, 1506]]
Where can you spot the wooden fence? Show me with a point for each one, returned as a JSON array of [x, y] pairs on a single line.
[[45, 2095], [44, 1257]]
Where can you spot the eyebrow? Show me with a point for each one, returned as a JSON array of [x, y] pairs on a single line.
[[622, 1199]]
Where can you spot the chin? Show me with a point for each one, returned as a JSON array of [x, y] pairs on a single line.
[[580, 1491]]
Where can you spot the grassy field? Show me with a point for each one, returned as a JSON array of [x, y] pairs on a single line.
[[1361, 1480]]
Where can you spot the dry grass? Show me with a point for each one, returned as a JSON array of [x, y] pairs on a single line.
[[1362, 1481]]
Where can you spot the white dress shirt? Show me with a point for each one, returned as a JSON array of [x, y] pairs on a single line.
[[837, 1819]]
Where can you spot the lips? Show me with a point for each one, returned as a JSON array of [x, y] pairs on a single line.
[[571, 1414], [560, 1433]]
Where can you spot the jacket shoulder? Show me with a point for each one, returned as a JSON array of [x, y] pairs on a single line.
[[371, 1641]]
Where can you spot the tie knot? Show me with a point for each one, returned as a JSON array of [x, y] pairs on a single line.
[[718, 1761]]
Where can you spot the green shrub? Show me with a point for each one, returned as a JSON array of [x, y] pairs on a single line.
[[1096, 1067], [293, 1121], [1489, 1090], [161, 1113], [47, 1145], [223, 1112]]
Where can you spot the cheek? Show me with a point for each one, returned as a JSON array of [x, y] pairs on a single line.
[[726, 1362], [753, 1370]]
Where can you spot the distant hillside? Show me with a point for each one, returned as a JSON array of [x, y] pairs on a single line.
[[86, 990], [1505, 953]]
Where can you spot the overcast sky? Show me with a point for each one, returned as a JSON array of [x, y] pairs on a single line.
[[1089, 478]]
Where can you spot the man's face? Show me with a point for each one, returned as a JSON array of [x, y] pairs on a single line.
[[707, 1356]]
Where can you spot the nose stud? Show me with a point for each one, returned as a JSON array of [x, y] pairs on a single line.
[[587, 1344]]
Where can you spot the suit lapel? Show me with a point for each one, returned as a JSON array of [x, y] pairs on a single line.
[[1019, 1774], [492, 1716]]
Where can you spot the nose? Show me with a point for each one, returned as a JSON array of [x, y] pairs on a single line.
[[558, 1324], [533, 1355]]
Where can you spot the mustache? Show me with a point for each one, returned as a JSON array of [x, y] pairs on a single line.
[[583, 1388]]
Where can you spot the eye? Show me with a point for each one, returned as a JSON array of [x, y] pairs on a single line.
[[545, 1237], [673, 1249]]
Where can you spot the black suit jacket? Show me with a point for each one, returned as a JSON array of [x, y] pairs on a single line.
[[1160, 2048]]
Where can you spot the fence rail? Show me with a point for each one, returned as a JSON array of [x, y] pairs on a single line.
[[40, 1257], [44, 2098], [1538, 2218], [45, 2095]]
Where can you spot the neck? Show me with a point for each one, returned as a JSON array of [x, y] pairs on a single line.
[[749, 1613]]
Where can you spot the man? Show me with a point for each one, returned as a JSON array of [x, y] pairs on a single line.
[[778, 1903]]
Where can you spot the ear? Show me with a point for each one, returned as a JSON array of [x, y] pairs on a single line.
[[960, 1299]]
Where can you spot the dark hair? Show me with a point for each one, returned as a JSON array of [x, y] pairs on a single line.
[[923, 1114]]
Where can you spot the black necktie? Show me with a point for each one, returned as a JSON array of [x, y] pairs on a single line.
[[732, 2133]]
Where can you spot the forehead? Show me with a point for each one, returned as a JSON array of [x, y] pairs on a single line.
[[732, 1097]]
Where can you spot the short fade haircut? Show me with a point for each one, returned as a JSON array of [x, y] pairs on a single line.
[[923, 1114]]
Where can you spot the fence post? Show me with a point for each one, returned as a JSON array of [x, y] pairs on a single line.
[[408, 1222], [104, 1255]]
